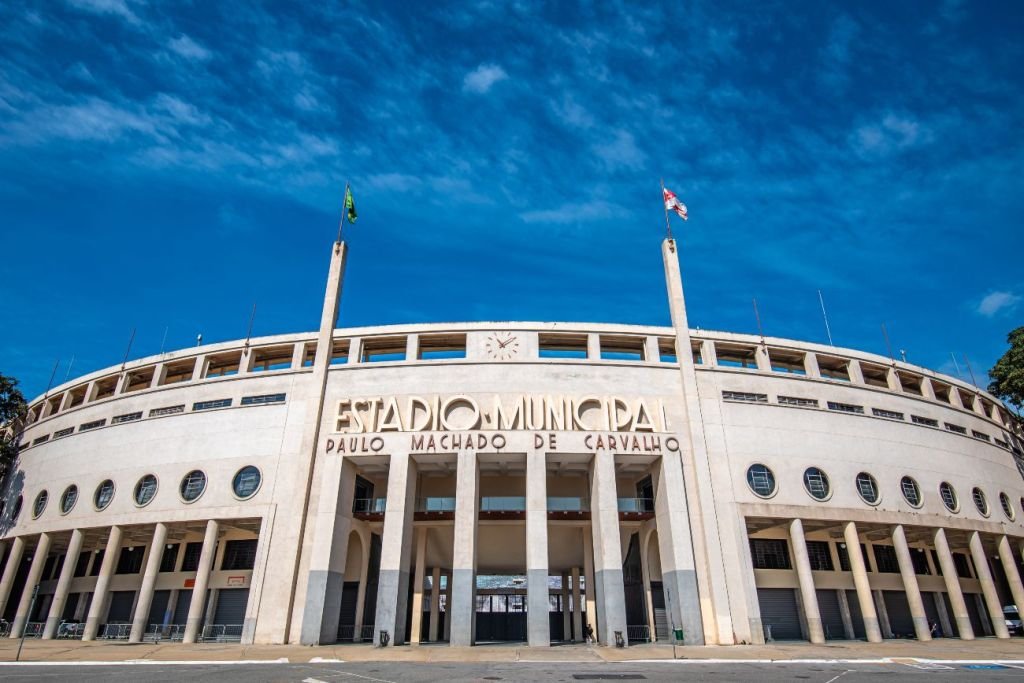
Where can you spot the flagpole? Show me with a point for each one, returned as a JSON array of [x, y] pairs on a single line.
[[668, 224], [344, 209]]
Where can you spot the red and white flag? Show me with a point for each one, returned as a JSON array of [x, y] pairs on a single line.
[[672, 203]]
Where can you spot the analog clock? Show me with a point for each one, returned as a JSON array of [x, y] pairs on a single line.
[[502, 346]]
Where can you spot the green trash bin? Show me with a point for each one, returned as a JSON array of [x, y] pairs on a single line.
[[678, 635]]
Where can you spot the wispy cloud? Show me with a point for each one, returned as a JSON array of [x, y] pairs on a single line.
[[482, 79], [188, 48], [118, 8], [621, 152], [997, 302]]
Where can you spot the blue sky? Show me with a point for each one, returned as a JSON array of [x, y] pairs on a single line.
[[165, 167]]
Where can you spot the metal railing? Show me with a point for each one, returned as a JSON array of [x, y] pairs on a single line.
[[503, 504], [116, 631], [70, 630], [222, 633], [355, 634], [34, 629], [636, 505], [567, 504], [638, 634], [157, 632], [435, 504], [369, 505]]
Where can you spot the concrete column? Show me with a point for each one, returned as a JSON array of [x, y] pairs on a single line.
[[194, 621], [604, 519], [944, 623], [60, 595], [1006, 556], [21, 617], [952, 581], [588, 580], [815, 631], [97, 609], [417, 586], [577, 611], [860, 581], [537, 601], [448, 606], [364, 573], [13, 561], [566, 604], [593, 346], [396, 550], [463, 592], [675, 549], [921, 627], [326, 574], [855, 372], [764, 363], [156, 551], [883, 614], [645, 575], [844, 612], [988, 587], [811, 365], [435, 603]]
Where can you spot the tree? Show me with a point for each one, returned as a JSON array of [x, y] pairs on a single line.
[[1008, 373], [12, 415]]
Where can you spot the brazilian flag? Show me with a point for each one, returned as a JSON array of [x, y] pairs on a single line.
[[350, 205]]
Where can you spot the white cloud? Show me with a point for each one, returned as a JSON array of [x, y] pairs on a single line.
[[574, 212], [997, 301], [482, 78], [621, 152], [189, 49], [892, 134], [117, 8]]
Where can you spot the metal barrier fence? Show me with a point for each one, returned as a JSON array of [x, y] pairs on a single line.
[[34, 629], [157, 632], [222, 633], [70, 630], [116, 631], [5, 629], [638, 634], [351, 634]]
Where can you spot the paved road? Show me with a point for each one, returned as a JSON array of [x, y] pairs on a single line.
[[388, 672]]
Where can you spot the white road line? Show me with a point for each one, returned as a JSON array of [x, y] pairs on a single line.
[[154, 662], [312, 680], [836, 678]]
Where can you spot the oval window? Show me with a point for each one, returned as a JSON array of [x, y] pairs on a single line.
[[949, 498], [911, 491], [867, 488], [192, 485], [980, 501], [246, 482], [40, 504], [145, 490], [816, 483], [68, 499], [1004, 500], [761, 480], [104, 494]]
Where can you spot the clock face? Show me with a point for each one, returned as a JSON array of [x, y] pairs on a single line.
[[502, 346]]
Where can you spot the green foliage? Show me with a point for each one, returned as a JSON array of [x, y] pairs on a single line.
[[12, 412], [1008, 372]]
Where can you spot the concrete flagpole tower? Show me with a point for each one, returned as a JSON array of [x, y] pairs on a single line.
[[702, 610]]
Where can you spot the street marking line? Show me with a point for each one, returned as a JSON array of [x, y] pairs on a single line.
[[326, 660], [836, 678], [312, 680], [155, 662]]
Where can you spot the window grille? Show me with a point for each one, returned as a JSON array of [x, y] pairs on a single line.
[[1004, 501], [846, 407], [40, 503], [769, 553], [911, 491], [867, 487], [92, 425], [948, 494], [42, 439], [885, 559], [239, 555], [761, 480], [261, 400], [887, 414], [796, 401], [956, 428], [104, 494], [169, 410], [816, 483], [68, 500], [980, 501], [130, 417], [210, 405], [192, 485], [246, 482], [980, 435], [145, 489], [190, 562], [927, 421], [744, 396], [819, 556]]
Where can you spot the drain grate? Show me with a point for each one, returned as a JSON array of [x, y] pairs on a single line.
[[609, 677]]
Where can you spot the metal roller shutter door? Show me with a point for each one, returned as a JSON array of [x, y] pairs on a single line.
[[231, 604], [158, 608], [831, 615], [952, 617], [975, 613], [120, 611], [856, 616], [181, 606], [900, 621], [779, 611], [931, 612]]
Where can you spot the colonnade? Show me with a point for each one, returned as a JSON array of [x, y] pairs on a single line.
[[867, 601], [98, 605]]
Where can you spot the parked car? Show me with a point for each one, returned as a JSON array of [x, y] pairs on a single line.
[[1013, 621]]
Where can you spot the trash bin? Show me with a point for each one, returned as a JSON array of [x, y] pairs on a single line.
[[678, 635]]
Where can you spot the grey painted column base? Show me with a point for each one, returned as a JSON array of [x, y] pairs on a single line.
[[463, 599], [323, 598], [756, 631], [538, 624], [872, 625], [685, 583], [392, 606], [611, 608]]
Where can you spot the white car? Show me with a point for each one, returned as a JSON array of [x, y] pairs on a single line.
[[1012, 619]]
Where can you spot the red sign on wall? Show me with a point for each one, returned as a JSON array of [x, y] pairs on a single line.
[[190, 583]]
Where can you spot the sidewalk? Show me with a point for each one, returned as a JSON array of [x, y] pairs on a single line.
[[984, 649]]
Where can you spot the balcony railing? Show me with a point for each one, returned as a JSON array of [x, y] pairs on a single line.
[[435, 504], [503, 504], [636, 505], [369, 506], [567, 504]]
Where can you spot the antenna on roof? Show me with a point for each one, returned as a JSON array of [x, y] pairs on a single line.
[[885, 333], [199, 339], [70, 365], [164, 340], [956, 365], [128, 350], [248, 333], [825, 316], [757, 315], [973, 381], [49, 385]]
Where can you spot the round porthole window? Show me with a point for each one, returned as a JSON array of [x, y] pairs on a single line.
[[68, 499], [867, 488], [949, 498], [246, 482], [980, 501], [192, 486], [104, 494], [145, 490], [911, 491], [761, 480], [816, 483], [40, 504], [1004, 500]]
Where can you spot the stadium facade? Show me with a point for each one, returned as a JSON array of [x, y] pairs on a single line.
[[477, 482]]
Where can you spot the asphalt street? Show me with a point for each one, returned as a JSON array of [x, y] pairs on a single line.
[[414, 672]]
